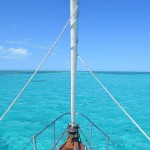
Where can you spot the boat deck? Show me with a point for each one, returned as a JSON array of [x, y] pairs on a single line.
[[71, 144]]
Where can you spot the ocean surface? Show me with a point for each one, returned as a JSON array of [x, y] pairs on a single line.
[[48, 96]]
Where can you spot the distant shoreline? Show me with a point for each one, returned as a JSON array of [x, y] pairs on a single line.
[[48, 71]]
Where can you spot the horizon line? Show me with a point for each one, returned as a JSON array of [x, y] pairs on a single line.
[[103, 71]]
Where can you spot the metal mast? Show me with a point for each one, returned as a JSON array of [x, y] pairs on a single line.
[[74, 43]]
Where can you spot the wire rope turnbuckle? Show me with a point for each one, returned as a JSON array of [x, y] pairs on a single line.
[[73, 133], [73, 140]]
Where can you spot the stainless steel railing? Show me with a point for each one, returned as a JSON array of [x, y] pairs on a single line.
[[55, 142]]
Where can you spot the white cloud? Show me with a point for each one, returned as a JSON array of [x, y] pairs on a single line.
[[6, 57], [1, 47], [18, 51], [2, 51], [23, 42], [13, 53], [27, 42]]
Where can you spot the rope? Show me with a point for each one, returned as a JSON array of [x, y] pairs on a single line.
[[125, 112], [38, 68], [27, 144]]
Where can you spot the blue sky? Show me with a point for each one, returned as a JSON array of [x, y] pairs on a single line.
[[114, 35]]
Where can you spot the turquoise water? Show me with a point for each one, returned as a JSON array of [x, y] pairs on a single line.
[[48, 96]]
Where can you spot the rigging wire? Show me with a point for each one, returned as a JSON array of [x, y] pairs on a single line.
[[38, 68], [112, 97], [27, 144]]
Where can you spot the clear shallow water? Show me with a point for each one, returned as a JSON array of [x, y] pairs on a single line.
[[48, 96]]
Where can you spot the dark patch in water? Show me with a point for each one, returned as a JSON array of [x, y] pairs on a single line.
[[121, 72], [3, 144], [38, 80]]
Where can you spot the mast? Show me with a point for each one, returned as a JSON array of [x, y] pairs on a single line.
[[74, 45]]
